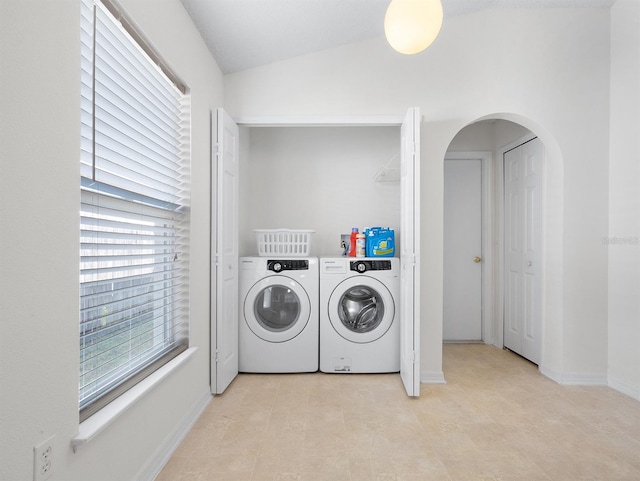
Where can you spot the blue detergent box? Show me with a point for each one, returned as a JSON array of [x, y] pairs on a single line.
[[380, 242]]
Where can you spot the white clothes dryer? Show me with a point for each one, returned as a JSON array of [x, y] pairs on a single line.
[[278, 325], [359, 321]]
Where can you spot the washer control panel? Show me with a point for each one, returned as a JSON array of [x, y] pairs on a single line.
[[288, 265], [369, 265]]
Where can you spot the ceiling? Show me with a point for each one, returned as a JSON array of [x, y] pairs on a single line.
[[243, 34]]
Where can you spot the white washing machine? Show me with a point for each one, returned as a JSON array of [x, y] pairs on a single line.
[[359, 321], [278, 325]]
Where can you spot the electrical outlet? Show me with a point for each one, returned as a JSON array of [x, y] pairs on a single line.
[[43, 460]]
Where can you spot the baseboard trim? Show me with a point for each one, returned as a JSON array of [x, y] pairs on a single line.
[[432, 377], [574, 378], [551, 374], [151, 471], [624, 388]]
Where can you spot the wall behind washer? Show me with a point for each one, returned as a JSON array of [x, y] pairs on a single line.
[[319, 178]]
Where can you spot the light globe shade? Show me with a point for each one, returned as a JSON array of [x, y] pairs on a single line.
[[412, 25]]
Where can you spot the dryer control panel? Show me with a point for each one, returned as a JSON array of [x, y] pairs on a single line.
[[369, 265], [288, 265]]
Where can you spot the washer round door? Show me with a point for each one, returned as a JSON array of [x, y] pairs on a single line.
[[361, 309], [277, 309]]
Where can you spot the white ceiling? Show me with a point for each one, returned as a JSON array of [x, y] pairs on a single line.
[[242, 34]]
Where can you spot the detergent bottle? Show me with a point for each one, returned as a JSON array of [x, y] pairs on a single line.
[[360, 245], [380, 242], [352, 245]]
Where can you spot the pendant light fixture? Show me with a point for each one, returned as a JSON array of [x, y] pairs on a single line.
[[412, 25]]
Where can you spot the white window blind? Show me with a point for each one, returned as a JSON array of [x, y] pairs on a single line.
[[134, 210]]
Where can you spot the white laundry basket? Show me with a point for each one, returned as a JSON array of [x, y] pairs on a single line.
[[284, 242]]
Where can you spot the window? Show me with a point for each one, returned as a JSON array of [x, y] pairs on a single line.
[[134, 209]]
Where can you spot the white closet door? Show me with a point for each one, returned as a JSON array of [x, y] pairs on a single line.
[[522, 218], [224, 344], [462, 305], [410, 252]]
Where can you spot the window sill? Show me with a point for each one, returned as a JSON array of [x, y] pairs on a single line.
[[92, 426]]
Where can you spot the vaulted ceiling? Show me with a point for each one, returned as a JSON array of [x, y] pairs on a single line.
[[242, 34]]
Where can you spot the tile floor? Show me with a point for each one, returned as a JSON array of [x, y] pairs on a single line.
[[497, 418]]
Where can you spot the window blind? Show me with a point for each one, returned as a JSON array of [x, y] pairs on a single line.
[[134, 212]]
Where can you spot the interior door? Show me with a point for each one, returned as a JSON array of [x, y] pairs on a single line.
[[462, 304], [225, 342], [410, 252], [522, 228]]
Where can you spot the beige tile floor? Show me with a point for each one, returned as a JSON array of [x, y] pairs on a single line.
[[497, 418]]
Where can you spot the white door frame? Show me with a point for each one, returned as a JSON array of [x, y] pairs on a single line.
[[489, 326], [499, 265], [365, 121]]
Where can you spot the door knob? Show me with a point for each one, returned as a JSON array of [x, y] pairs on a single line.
[[477, 259]]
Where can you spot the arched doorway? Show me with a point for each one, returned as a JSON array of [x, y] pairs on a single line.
[[491, 137]]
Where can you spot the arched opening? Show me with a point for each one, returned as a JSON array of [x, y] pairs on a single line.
[[484, 143]]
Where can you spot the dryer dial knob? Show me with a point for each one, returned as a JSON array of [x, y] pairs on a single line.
[[277, 267], [361, 267]]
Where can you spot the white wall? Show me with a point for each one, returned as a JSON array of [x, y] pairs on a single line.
[[545, 69], [488, 136], [39, 199], [623, 240], [319, 178]]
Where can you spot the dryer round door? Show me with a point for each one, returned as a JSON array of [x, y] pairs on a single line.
[[277, 309], [361, 309]]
